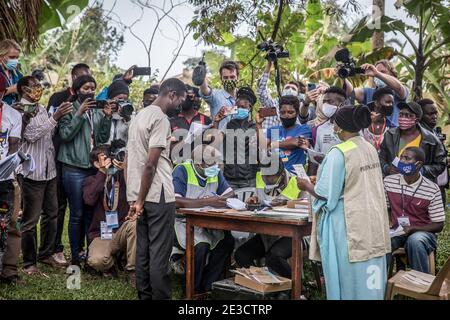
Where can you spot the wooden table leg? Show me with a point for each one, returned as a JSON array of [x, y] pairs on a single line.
[[296, 265], [189, 260]]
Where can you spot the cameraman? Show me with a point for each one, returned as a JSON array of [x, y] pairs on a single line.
[[118, 93], [106, 192], [292, 88], [384, 75], [218, 98], [81, 131]]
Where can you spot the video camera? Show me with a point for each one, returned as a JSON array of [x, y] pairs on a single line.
[[274, 50], [348, 67], [125, 108]]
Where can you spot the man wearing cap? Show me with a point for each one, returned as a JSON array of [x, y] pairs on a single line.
[[411, 134], [239, 141], [150, 95]]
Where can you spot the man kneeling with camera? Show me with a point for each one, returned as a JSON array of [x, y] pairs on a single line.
[[111, 236]]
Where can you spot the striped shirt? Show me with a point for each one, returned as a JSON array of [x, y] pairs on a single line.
[[421, 201], [37, 142]]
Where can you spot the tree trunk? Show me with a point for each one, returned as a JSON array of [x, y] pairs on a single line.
[[418, 80], [378, 37]]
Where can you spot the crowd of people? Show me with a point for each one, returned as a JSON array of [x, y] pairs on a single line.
[[376, 162]]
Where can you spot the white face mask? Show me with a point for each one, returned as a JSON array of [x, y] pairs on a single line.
[[329, 110], [379, 83]]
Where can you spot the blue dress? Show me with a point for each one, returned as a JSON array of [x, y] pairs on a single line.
[[344, 280]]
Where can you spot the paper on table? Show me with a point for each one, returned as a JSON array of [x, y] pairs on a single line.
[[312, 153], [236, 204]]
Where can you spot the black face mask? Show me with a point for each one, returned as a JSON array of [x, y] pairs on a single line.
[[387, 110], [187, 105], [288, 122], [83, 97]]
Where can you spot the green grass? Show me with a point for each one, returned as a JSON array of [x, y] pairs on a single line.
[[53, 287]]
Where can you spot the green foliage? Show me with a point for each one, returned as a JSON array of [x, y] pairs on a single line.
[[56, 13]]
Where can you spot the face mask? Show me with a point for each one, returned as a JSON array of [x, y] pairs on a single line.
[[35, 93], [289, 92], [187, 105], [212, 172], [406, 123], [270, 187], [229, 85], [82, 97], [11, 64], [379, 83], [301, 96], [288, 122], [406, 169], [329, 110], [241, 114]]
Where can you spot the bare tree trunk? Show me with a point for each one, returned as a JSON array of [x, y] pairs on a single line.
[[378, 12]]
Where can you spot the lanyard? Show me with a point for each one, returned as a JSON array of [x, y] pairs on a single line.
[[412, 197], [90, 118], [1, 115], [377, 139], [111, 198]]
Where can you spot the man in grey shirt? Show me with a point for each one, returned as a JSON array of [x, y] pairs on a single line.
[[150, 191]]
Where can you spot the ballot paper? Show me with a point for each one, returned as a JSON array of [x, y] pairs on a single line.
[[196, 129], [260, 275], [312, 153], [300, 171], [395, 162], [236, 204], [397, 232]]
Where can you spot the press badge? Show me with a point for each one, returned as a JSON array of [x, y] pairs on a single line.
[[105, 232], [112, 220], [403, 221]]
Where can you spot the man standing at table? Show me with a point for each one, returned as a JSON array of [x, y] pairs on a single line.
[[150, 191]]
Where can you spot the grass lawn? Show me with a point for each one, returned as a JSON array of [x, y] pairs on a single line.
[[52, 286]]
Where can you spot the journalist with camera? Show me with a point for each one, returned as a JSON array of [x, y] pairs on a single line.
[[80, 131], [383, 74], [291, 88], [112, 239]]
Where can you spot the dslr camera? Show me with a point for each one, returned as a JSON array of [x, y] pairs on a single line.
[[348, 67], [125, 108], [274, 50], [118, 150]]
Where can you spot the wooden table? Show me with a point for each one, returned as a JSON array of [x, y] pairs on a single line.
[[246, 222]]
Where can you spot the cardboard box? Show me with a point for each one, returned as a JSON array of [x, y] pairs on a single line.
[[298, 204], [286, 284]]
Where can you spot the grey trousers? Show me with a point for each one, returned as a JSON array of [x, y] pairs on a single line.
[[154, 241]]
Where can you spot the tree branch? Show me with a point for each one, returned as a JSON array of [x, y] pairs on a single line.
[[441, 44], [433, 60], [406, 58]]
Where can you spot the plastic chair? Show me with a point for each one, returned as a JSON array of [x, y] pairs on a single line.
[[244, 193], [399, 257], [419, 285]]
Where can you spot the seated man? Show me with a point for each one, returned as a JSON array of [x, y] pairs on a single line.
[[276, 186], [199, 183], [415, 203], [106, 192]]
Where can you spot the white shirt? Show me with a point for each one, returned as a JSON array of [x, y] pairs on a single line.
[[11, 126], [325, 138]]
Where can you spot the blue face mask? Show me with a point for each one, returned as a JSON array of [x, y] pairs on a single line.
[[11, 64], [406, 169], [242, 114], [213, 171]]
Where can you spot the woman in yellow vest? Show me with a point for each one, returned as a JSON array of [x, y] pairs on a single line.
[[350, 223]]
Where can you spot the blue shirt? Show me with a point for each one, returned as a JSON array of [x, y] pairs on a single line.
[[392, 120], [293, 156], [180, 182], [217, 99]]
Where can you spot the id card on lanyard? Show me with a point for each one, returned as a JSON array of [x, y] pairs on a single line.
[[404, 219], [110, 203]]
